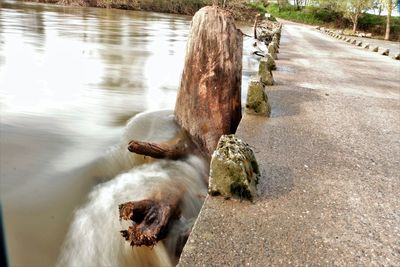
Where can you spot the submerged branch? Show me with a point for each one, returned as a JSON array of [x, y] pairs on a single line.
[[175, 149], [151, 219]]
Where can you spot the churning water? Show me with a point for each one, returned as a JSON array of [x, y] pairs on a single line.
[[93, 238]]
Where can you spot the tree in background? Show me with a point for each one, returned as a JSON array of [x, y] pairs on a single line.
[[298, 4], [282, 3], [353, 10], [389, 6], [378, 5]]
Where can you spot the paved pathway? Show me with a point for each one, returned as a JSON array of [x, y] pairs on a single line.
[[330, 160]]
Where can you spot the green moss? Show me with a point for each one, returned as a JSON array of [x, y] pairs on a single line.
[[232, 170], [257, 100]]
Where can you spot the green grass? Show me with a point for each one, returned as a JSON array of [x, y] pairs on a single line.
[[323, 16], [290, 13]]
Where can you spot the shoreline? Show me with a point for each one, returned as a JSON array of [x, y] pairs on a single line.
[[240, 11]]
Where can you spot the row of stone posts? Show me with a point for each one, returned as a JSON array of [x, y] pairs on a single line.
[[257, 99], [234, 171], [339, 35]]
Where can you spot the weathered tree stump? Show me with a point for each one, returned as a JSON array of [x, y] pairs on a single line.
[[208, 103], [208, 106]]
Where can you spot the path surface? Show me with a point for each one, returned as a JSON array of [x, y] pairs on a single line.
[[329, 193]]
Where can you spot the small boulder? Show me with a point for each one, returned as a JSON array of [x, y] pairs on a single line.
[[359, 44], [234, 170], [257, 100], [275, 40], [265, 74], [354, 42], [375, 49], [366, 46], [385, 52], [269, 61], [397, 56], [272, 51]]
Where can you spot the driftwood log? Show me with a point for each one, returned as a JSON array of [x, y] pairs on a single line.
[[174, 149], [150, 218], [208, 105]]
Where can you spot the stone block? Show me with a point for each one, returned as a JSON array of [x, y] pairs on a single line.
[[234, 170], [272, 51], [269, 61], [385, 52], [257, 99]]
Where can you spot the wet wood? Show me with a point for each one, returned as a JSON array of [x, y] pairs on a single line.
[[256, 19], [177, 148], [151, 219], [208, 103]]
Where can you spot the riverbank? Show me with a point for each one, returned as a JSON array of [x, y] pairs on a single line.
[[368, 23], [242, 10]]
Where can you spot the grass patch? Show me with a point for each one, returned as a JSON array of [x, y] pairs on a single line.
[[324, 16]]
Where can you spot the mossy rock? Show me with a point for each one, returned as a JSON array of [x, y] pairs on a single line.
[[257, 100], [234, 170], [272, 51], [264, 71], [385, 52], [268, 62], [275, 39]]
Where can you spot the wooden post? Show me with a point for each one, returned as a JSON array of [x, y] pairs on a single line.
[[208, 103]]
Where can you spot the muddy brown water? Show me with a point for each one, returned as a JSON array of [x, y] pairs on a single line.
[[70, 79]]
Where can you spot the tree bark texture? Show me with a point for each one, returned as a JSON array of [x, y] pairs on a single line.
[[208, 103]]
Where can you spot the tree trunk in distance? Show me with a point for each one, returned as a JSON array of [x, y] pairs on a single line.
[[209, 100], [355, 22], [388, 19]]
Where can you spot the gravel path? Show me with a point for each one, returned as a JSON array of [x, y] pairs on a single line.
[[330, 161]]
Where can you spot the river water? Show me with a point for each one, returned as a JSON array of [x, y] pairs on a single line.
[[70, 80]]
